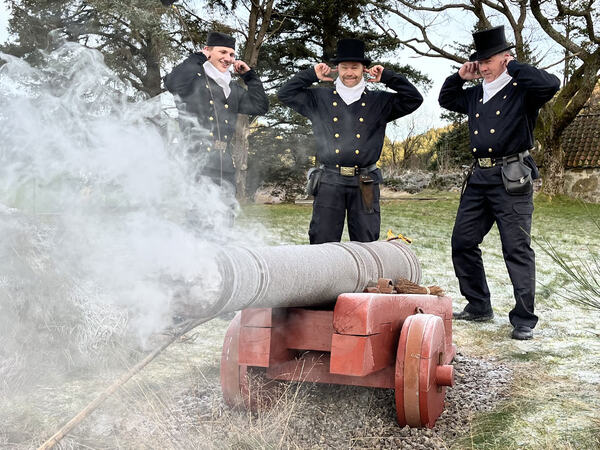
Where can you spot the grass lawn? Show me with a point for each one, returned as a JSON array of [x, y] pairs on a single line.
[[556, 394]]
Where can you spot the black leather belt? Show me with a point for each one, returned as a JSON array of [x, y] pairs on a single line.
[[351, 171], [491, 162]]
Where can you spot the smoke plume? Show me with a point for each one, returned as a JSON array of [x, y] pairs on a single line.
[[100, 214]]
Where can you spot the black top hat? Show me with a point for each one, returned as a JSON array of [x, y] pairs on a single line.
[[489, 42], [350, 50], [216, 39]]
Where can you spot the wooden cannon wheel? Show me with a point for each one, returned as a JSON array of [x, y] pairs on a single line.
[[244, 386], [421, 376]]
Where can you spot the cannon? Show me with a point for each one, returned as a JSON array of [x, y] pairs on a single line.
[[303, 315], [291, 327]]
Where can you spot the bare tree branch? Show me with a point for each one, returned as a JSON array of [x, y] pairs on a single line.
[[422, 28], [567, 57], [558, 37], [586, 14], [416, 7]]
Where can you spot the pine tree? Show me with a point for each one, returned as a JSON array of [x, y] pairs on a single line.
[[136, 37]]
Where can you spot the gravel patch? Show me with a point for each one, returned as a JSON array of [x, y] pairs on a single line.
[[330, 416]]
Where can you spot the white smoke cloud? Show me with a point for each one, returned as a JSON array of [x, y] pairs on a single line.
[[100, 214]]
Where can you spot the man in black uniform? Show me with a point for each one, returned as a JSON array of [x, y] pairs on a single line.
[[502, 114], [203, 90], [349, 124]]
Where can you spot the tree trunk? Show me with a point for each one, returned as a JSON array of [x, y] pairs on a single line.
[[260, 12], [551, 152], [152, 80], [553, 174]]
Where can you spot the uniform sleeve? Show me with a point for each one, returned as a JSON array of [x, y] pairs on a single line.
[[254, 101], [452, 95], [296, 93], [540, 85], [181, 80], [405, 100]]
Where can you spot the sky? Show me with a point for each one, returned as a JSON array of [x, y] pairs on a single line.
[[428, 115]]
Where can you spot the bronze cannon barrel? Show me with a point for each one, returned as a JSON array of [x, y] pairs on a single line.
[[299, 275]]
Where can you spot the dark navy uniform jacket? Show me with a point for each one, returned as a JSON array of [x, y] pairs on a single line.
[[349, 135], [200, 96], [504, 124]]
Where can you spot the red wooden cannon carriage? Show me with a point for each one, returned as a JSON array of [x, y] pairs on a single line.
[[395, 341]]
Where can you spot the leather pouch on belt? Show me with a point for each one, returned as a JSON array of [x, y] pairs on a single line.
[[313, 180], [366, 184], [517, 177]]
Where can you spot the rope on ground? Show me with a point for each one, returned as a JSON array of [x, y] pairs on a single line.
[[62, 432]]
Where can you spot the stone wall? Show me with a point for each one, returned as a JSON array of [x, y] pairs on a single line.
[[583, 184]]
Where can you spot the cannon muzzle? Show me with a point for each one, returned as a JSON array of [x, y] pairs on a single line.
[[298, 275]]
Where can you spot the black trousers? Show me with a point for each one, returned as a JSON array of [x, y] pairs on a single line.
[[480, 207], [329, 211]]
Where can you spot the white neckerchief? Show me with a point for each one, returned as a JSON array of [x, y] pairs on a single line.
[[350, 94], [221, 78], [493, 87]]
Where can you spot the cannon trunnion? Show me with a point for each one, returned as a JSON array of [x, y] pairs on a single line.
[[395, 341]]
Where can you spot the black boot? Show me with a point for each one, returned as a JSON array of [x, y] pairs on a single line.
[[466, 315], [522, 333]]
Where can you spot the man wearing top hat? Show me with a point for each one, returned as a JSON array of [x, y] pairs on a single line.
[[203, 89], [349, 124], [502, 113]]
